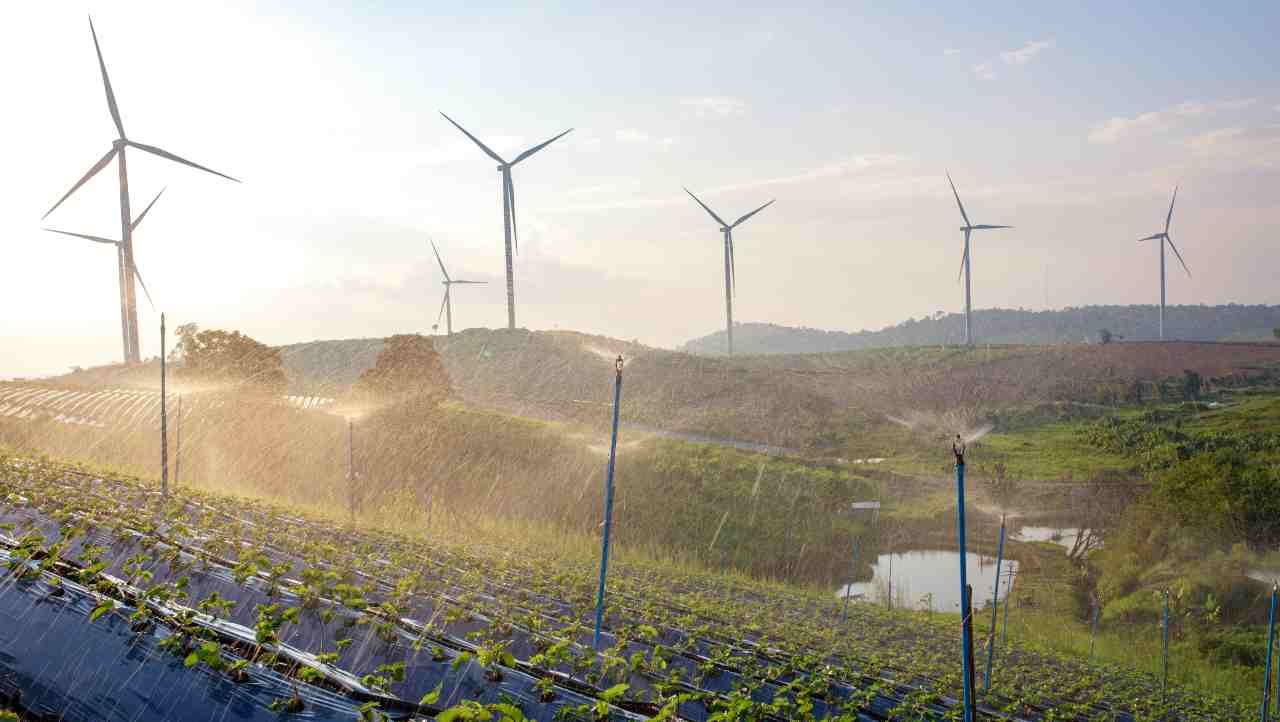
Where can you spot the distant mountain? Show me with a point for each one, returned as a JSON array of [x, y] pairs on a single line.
[[1232, 322]]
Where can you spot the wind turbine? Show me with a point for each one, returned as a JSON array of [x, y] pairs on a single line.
[[446, 306], [730, 274], [508, 207], [1162, 237], [129, 310], [120, 257], [967, 229]]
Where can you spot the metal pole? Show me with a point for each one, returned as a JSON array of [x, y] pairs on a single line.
[[995, 609], [164, 421], [1008, 593], [177, 443], [1164, 651], [1271, 636], [507, 221], [351, 470], [728, 288], [968, 308], [1093, 633], [1161, 288], [971, 697], [966, 641], [608, 505]]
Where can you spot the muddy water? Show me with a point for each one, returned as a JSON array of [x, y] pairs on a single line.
[[917, 574]]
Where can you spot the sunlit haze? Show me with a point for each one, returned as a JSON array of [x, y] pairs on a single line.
[[1071, 126]]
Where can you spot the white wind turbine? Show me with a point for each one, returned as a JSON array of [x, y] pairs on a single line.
[[1164, 236], [446, 306], [967, 229]]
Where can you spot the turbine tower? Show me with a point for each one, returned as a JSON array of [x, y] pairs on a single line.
[[730, 274], [128, 300], [511, 235], [967, 229], [120, 257], [1163, 237], [446, 306]]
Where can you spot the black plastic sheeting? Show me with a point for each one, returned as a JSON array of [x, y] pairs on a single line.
[[55, 663]]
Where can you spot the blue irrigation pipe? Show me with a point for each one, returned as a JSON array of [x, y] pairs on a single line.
[[1093, 632], [995, 609], [608, 505], [1271, 636], [848, 588], [1164, 647], [966, 638]]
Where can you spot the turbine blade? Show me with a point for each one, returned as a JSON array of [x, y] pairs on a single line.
[[177, 159], [1153, 237], [963, 258], [1179, 255], [752, 213], [476, 140], [144, 210], [433, 248], [95, 239], [986, 227], [511, 204], [733, 268], [539, 147], [468, 281], [102, 163], [708, 210], [963, 215], [106, 82], [142, 283], [1169, 218], [443, 301]]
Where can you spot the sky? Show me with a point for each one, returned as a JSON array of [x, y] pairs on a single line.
[[1071, 122]]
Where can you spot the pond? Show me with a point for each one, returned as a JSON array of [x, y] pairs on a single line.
[[918, 574]]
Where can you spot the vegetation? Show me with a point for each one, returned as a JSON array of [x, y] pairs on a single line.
[[1232, 322], [221, 357]]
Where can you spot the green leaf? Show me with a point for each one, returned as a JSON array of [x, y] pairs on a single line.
[[192, 659], [103, 607], [430, 698], [615, 692]]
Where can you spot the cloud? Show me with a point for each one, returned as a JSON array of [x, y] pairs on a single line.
[[951, 51], [1026, 53], [1257, 147], [718, 105], [639, 137], [984, 71], [1115, 129]]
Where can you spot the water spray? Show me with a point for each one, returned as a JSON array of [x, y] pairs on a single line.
[[608, 504]]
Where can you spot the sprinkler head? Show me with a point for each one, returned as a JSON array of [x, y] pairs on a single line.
[[618, 364], [957, 448]]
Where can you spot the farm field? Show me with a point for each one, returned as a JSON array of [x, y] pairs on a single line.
[[228, 601]]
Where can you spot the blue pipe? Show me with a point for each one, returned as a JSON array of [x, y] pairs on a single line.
[[995, 609], [966, 640], [608, 506], [1164, 655], [1271, 636]]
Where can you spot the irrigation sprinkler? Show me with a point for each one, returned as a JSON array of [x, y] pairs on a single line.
[[1093, 631], [164, 421], [1164, 646], [608, 504], [966, 641], [1271, 637], [995, 609]]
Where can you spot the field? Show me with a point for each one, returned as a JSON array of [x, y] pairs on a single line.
[[231, 602]]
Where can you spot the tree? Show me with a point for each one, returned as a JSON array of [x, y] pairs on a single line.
[[1276, 332], [229, 357], [183, 333], [408, 366], [1104, 336]]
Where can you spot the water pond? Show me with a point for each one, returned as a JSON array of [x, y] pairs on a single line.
[[925, 579]]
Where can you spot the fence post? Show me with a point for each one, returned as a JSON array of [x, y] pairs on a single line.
[[971, 697], [995, 609], [608, 504], [1271, 635], [1008, 594], [966, 627]]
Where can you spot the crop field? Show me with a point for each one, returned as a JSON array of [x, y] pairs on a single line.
[[123, 604]]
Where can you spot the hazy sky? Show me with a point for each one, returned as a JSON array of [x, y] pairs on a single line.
[[1070, 122]]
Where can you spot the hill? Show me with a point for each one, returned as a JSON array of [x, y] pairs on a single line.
[[1232, 322]]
